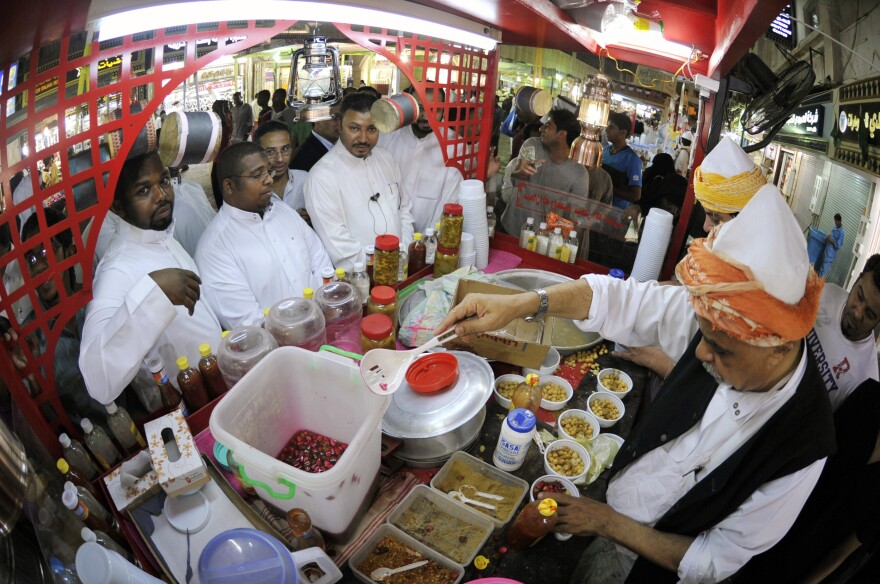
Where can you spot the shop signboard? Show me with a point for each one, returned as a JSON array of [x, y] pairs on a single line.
[[807, 120], [860, 117], [782, 30]]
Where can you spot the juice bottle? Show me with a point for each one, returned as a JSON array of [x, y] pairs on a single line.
[[417, 254], [543, 239], [100, 445], [527, 235], [189, 380], [210, 371], [430, 245], [527, 394], [554, 248], [124, 430], [340, 276], [77, 457], [536, 520], [306, 534], [74, 476], [171, 398]]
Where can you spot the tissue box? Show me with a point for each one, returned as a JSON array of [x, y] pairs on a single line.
[[145, 486], [179, 468]]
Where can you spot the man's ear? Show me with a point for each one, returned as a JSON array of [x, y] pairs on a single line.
[[116, 207]]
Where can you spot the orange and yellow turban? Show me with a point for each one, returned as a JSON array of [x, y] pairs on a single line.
[[720, 194]]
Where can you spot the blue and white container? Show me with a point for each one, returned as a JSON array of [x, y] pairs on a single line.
[[514, 439]]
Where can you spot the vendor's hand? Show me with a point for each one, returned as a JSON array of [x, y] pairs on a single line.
[[15, 352], [479, 313], [494, 165], [524, 169], [827, 239], [579, 515], [180, 286], [651, 357]]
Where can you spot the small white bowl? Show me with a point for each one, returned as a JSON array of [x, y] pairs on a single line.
[[582, 414], [570, 489], [604, 395], [553, 406], [623, 376], [503, 401], [549, 366], [581, 451]]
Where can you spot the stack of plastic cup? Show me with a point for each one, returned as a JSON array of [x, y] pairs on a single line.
[[467, 253], [653, 245], [472, 198]]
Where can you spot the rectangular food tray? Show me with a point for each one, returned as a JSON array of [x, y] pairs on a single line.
[[388, 529]]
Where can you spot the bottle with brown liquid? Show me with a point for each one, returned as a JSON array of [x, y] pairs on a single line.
[[171, 398], [210, 371], [75, 477], [189, 380], [536, 520], [306, 534], [417, 253], [527, 394]]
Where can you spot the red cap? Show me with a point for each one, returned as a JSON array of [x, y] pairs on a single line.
[[383, 295], [452, 209], [432, 372], [446, 251], [387, 242], [377, 326]]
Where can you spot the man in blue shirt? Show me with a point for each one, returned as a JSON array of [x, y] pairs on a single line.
[[625, 165], [833, 243]]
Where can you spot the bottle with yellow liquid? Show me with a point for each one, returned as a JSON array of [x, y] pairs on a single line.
[[527, 394]]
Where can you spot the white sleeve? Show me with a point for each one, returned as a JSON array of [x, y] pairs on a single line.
[[756, 526], [407, 220], [317, 254], [120, 329], [225, 287], [327, 212], [641, 314]]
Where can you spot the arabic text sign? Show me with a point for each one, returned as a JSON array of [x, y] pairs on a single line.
[[855, 117]]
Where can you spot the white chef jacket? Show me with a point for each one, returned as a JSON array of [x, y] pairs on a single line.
[[130, 317], [293, 190], [426, 178], [249, 263], [192, 214], [844, 364], [341, 198], [647, 488]]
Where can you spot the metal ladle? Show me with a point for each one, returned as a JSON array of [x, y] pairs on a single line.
[[381, 573]]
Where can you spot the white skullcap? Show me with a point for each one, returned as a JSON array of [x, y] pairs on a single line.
[[766, 237], [727, 159]]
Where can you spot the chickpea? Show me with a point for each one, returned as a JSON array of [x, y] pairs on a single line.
[[577, 428], [614, 382], [553, 392], [565, 461], [605, 409], [505, 388]]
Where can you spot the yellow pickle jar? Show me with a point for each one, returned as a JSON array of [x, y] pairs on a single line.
[[386, 263], [383, 300], [377, 332], [445, 261], [451, 222]]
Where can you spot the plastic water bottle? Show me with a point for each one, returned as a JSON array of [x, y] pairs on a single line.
[[430, 245], [554, 247], [543, 239], [361, 281], [527, 235]]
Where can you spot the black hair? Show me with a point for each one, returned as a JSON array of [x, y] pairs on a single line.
[[565, 120], [53, 217], [263, 93], [412, 91], [268, 127], [370, 91], [685, 142], [622, 121], [837, 217], [5, 236], [359, 102], [529, 128], [130, 171], [872, 266], [229, 161]]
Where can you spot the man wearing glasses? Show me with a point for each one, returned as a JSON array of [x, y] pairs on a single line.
[[257, 251], [146, 288], [274, 137]]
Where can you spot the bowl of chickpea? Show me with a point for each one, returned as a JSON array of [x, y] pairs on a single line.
[[568, 459], [607, 407], [504, 386], [556, 392], [578, 425], [614, 381]]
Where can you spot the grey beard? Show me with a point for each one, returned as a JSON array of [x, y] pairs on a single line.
[[712, 371]]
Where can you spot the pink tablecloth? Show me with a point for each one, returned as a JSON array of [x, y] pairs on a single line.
[[501, 260]]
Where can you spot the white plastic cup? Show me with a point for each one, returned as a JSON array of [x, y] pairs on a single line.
[[469, 259], [467, 243], [98, 565], [471, 188]]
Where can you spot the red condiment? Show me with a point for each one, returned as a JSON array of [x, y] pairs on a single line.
[[416, 254], [210, 370], [189, 380], [171, 398], [536, 520]]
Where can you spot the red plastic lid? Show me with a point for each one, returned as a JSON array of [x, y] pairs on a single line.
[[377, 326], [383, 295], [387, 242], [446, 251], [432, 372], [452, 209]]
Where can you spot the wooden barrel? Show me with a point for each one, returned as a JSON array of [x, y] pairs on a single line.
[[145, 140], [533, 100], [395, 112], [189, 138]]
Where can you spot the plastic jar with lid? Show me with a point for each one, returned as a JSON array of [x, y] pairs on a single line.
[[383, 300], [377, 332], [445, 261], [342, 309], [451, 222], [386, 264], [297, 322]]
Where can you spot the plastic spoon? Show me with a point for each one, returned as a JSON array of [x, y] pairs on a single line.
[[383, 370], [382, 573], [459, 497]]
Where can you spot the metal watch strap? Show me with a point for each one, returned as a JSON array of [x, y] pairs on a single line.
[[544, 304]]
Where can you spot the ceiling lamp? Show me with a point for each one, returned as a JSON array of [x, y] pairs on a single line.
[[316, 87], [593, 116]]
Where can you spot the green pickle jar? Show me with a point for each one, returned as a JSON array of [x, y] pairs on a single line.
[[451, 222], [386, 263], [377, 332], [445, 261]]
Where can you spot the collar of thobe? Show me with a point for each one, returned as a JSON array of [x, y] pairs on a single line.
[[147, 236], [242, 216]]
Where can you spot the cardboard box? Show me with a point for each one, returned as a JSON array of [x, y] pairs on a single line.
[[503, 347], [176, 460], [140, 482]]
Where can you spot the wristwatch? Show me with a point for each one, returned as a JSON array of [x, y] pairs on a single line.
[[544, 303]]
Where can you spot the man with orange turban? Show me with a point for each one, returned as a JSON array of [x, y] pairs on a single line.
[[721, 465]]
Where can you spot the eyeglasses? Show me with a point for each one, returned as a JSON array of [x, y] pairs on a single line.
[[34, 256], [270, 173], [272, 152]]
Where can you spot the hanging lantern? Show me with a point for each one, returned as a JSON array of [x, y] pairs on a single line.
[[317, 86], [593, 116]]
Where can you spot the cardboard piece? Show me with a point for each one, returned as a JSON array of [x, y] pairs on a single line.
[[140, 481], [503, 347], [176, 460]]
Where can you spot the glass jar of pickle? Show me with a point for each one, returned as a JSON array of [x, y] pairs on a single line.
[[377, 332], [386, 264], [451, 222], [445, 261], [383, 300]]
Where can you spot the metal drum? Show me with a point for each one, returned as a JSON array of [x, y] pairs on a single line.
[[143, 143], [190, 138], [395, 112], [533, 100]]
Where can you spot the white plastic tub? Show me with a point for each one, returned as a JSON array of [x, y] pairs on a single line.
[[293, 389]]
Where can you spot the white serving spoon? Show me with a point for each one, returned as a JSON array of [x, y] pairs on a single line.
[[383, 370], [381, 573]]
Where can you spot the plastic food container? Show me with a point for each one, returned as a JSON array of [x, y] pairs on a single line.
[[488, 471], [503, 401], [297, 322], [623, 376], [556, 405], [386, 529], [290, 390], [386, 264], [581, 451], [599, 395], [582, 414], [342, 308], [241, 350], [460, 513]]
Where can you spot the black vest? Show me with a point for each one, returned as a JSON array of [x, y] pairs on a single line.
[[801, 432]]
